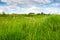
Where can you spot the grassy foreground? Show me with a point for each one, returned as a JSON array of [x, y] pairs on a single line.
[[29, 27]]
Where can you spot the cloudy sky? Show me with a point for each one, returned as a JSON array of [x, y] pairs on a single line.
[[26, 6]]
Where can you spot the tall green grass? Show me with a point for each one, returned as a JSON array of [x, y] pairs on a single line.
[[34, 27]]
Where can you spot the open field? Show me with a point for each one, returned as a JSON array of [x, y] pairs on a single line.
[[29, 27]]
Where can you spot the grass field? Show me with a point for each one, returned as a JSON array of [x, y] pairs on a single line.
[[29, 27]]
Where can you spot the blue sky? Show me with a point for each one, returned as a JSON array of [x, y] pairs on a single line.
[[26, 6]]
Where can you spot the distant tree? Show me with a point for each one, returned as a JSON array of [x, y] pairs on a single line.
[[31, 13], [3, 13], [42, 13], [38, 13]]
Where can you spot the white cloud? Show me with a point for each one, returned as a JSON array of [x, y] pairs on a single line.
[[55, 4], [43, 1], [17, 2], [1, 10], [45, 10], [52, 10], [16, 9], [33, 9], [26, 2], [9, 9]]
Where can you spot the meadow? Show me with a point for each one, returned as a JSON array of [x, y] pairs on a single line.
[[29, 27]]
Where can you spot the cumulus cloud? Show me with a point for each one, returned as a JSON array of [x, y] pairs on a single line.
[[44, 9], [16, 5], [43, 1], [55, 4], [52, 10], [19, 2], [41, 9], [16, 9], [26, 2], [1, 10], [9, 9], [33, 9]]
